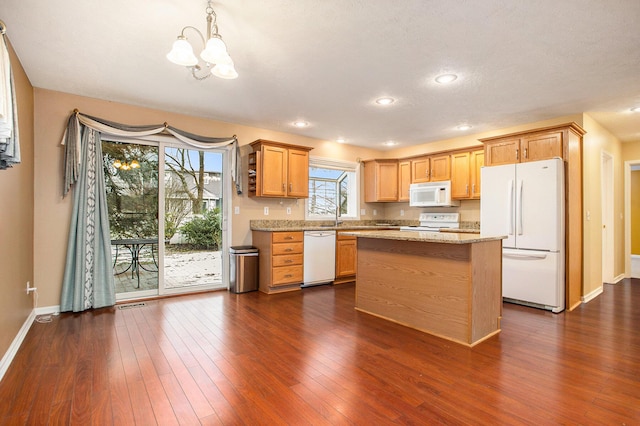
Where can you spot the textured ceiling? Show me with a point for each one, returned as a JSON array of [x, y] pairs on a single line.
[[325, 62]]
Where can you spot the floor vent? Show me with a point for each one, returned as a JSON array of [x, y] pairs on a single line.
[[132, 305]]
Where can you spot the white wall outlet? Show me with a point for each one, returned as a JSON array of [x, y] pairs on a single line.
[[288, 210], [266, 211], [401, 212], [363, 212], [375, 212], [588, 215], [236, 210]]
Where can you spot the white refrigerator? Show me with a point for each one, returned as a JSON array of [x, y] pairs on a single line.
[[525, 202]]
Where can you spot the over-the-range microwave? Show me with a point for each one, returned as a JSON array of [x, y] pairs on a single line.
[[431, 194]]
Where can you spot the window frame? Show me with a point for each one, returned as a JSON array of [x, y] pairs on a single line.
[[346, 166]]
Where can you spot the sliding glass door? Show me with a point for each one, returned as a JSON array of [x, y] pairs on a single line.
[[166, 238]]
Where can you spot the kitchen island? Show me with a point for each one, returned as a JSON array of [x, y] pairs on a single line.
[[445, 284]]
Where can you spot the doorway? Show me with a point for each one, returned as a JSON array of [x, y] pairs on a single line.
[[166, 216], [632, 217], [607, 218]]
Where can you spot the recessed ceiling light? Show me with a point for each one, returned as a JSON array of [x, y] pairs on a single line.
[[463, 127], [340, 140], [385, 101], [446, 78], [390, 143], [635, 109], [300, 123]]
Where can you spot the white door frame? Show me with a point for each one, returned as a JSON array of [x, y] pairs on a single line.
[[607, 203], [628, 166]]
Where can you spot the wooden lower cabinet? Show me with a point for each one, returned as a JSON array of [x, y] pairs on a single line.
[[346, 258], [280, 261]]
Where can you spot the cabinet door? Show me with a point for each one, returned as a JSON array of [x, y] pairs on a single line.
[[420, 170], [387, 181], [505, 151], [460, 171], [477, 161], [541, 146], [346, 257], [298, 174], [404, 180], [440, 168], [274, 166]]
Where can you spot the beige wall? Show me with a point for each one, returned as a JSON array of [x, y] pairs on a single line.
[[596, 141], [16, 220], [53, 213]]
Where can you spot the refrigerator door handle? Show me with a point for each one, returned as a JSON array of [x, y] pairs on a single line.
[[524, 256], [519, 208], [510, 196]]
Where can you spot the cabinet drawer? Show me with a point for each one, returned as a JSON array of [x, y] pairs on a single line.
[[287, 237], [287, 260], [287, 248], [341, 236], [287, 275]]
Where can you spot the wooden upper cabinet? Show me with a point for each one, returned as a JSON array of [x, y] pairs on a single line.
[[477, 162], [404, 180], [503, 151], [460, 175], [523, 147], [298, 173], [420, 169], [541, 146], [440, 167], [278, 170], [430, 168], [380, 180]]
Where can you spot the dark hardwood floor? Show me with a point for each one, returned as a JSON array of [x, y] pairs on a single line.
[[310, 358]]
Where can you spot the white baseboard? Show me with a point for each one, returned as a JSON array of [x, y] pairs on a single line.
[[48, 310], [595, 293], [617, 279], [15, 345]]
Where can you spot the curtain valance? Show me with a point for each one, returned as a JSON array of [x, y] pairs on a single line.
[[73, 151]]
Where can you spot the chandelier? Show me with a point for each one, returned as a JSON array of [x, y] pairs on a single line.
[[123, 165], [217, 60]]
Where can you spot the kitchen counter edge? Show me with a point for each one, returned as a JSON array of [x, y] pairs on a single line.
[[428, 237]]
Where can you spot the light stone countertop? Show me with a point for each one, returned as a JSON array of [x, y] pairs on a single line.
[[427, 237], [347, 225]]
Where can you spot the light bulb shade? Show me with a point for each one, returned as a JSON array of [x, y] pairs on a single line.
[[215, 51], [182, 53], [225, 70], [135, 164], [117, 164]]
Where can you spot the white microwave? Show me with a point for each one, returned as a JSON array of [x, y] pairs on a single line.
[[431, 194]]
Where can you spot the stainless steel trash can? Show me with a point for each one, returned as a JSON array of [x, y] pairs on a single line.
[[243, 276]]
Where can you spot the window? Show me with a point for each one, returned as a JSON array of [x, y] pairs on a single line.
[[332, 184]]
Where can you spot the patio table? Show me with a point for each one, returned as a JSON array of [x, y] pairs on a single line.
[[134, 245]]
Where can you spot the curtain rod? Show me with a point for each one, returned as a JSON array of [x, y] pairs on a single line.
[[3, 27]]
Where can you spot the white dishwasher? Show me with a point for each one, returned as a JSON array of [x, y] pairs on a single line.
[[319, 257]]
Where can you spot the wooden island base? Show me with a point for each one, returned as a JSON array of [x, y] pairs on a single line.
[[453, 291]]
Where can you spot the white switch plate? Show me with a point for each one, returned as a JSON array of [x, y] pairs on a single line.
[[401, 212], [588, 215], [288, 210], [375, 212], [236, 210], [266, 211], [363, 212]]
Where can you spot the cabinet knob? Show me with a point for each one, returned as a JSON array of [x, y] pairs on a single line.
[[288, 261], [473, 188], [288, 238], [288, 276], [283, 187], [290, 187], [288, 249], [467, 190], [517, 152], [525, 153]]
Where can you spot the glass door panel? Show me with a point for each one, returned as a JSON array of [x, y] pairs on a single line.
[[131, 180], [193, 188]]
